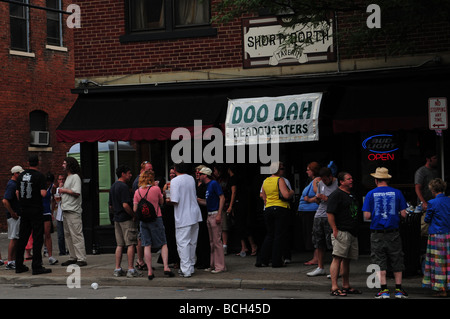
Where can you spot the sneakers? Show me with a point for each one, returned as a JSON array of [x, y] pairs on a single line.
[[119, 272], [131, 273], [52, 261], [400, 293], [316, 272], [383, 294], [10, 265]]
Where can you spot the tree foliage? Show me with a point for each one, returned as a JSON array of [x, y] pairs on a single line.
[[401, 20]]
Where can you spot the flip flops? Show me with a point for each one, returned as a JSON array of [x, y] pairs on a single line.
[[351, 291], [344, 292], [338, 293]]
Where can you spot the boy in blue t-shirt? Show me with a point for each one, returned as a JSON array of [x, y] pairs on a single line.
[[383, 204], [215, 200], [213, 193]]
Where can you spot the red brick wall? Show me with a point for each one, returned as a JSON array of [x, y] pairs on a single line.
[[99, 52], [27, 84]]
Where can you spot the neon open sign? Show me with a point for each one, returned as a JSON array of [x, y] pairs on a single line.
[[381, 147]]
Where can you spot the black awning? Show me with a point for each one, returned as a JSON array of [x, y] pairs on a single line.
[[353, 102], [387, 104], [127, 116]]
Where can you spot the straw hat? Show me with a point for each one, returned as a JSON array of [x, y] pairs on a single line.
[[381, 173]]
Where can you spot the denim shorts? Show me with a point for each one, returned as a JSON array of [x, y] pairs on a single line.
[[153, 234]]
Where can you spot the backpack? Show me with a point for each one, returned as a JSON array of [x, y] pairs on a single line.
[[145, 211]]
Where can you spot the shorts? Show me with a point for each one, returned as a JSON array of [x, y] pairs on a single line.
[[125, 233], [321, 233], [13, 228], [345, 245], [48, 218], [153, 234], [387, 247]]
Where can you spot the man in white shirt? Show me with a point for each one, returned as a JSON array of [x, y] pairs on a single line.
[[71, 206], [187, 216]]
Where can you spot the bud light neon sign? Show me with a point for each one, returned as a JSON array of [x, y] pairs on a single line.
[[381, 147]]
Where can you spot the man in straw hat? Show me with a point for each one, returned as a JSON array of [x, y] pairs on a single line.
[[383, 204]]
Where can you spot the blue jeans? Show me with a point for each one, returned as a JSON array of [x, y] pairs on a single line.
[[277, 225]]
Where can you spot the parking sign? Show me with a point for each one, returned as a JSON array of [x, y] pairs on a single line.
[[437, 113]]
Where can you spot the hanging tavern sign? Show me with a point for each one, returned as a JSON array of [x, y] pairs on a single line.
[[290, 118], [268, 43]]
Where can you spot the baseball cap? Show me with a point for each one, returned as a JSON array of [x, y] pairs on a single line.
[[16, 169], [206, 171]]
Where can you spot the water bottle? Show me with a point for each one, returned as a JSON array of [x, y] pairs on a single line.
[[410, 208], [418, 209]]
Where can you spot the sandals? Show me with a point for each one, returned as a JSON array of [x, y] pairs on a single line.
[[440, 294], [351, 291], [169, 273], [141, 267], [338, 293]]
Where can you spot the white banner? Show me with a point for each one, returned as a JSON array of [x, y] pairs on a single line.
[[291, 118]]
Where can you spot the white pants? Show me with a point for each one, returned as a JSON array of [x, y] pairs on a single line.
[[186, 244]]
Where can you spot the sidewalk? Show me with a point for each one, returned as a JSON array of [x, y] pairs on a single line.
[[241, 274]]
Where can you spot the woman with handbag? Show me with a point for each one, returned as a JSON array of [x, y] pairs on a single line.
[[276, 197], [152, 233]]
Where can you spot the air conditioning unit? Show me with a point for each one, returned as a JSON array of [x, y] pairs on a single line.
[[40, 138]]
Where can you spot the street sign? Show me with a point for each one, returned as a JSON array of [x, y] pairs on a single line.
[[437, 113]]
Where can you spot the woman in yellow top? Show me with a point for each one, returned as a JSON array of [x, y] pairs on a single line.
[[276, 214]]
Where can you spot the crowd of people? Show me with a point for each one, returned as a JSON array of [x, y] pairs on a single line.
[[335, 226], [191, 224], [187, 219], [30, 200]]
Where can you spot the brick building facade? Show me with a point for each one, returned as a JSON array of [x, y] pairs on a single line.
[[37, 74], [144, 78]]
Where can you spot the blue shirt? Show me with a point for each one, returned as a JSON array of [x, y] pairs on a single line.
[[384, 203], [10, 195], [304, 205], [213, 191], [438, 215]]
